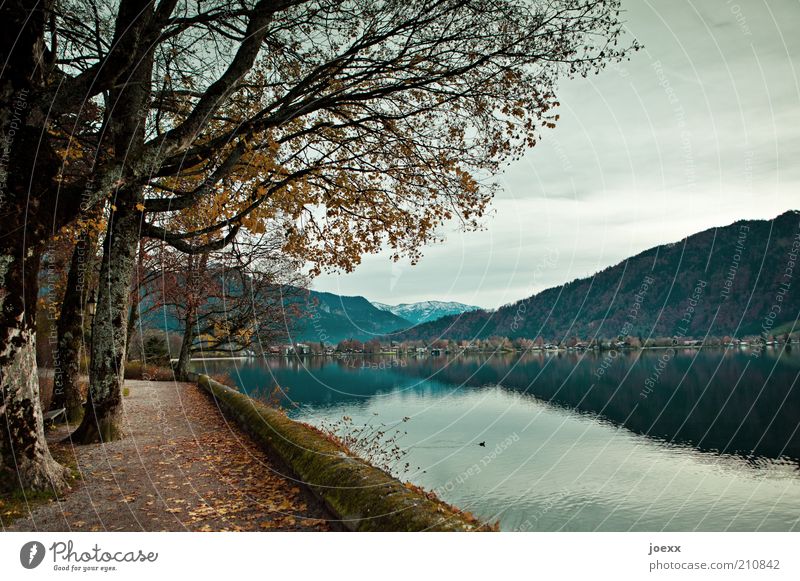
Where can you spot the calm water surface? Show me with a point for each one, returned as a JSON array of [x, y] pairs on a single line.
[[651, 440]]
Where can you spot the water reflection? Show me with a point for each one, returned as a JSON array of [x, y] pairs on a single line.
[[584, 448], [727, 401]]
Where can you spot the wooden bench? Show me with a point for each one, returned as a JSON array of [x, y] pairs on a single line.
[[50, 417]]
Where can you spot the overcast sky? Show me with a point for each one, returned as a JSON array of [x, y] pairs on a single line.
[[699, 129]]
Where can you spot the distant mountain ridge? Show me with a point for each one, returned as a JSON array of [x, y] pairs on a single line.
[[331, 318], [324, 317], [741, 279], [426, 311]]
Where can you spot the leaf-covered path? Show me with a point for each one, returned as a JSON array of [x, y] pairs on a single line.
[[180, 467]]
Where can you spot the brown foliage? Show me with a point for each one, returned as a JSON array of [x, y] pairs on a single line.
[[139, 370]]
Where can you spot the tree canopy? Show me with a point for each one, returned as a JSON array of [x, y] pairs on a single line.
[[355, 123]]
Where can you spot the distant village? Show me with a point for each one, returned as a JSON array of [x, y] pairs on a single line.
[[504, 344]]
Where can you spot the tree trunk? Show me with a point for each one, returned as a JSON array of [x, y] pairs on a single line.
[[30, 212], [195, 270], [101, 421], [25, 461], [182, 368], [101, 418], [66, 392]]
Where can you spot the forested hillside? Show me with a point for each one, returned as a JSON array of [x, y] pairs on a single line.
[[736, 280]]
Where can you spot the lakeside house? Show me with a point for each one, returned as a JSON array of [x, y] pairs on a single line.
[[440, 347]]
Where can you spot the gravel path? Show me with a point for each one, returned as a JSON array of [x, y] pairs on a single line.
[[180, 467]]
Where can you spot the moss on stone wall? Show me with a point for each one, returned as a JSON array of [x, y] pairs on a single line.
[[364, 497]]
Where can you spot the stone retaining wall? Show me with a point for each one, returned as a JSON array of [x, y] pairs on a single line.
[[365, 498]]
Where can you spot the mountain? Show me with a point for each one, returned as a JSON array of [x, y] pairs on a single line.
[[741, 279], [331, 318], [312, 317], [426, 311]]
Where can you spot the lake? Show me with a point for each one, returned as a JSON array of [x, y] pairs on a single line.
[[646, 440]]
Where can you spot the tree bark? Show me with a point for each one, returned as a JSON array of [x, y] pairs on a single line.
[[71, 322], [25, 461], [28, 165], [101, 421]]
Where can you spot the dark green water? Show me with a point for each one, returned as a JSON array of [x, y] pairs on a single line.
[[651, 440]]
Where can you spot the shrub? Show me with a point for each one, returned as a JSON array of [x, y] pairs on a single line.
[[377, 443], [133, 370], [140, 370], [155, 350]]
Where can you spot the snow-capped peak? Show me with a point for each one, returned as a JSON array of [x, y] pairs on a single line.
[[425, 311]]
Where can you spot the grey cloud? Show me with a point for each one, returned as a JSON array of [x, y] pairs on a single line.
[[632, 163]]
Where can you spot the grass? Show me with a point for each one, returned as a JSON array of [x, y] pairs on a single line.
[[20, 503], [224, 379]]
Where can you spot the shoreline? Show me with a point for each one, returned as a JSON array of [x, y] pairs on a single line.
[[361, 496], [746, 347]]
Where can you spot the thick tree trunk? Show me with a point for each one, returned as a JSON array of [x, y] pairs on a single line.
[[29, 211], [66, 392], [25, 461], [101, 419]]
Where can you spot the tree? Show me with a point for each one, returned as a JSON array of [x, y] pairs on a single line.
[[442, 344], [155, 349], [72, 322], [355, 123], [239, 298], [372, 346], [146, 292], [523, 344]]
